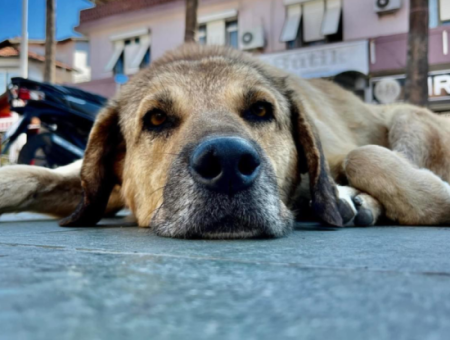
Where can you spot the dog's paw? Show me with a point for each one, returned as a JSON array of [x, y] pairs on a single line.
[[346, 206], [357, 208]]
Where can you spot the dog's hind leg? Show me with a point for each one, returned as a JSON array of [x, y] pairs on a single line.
[[47, 191]]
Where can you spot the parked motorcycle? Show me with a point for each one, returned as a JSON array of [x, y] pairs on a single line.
[[56, 119]]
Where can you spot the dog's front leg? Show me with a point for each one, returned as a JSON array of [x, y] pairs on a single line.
[[31, 188]]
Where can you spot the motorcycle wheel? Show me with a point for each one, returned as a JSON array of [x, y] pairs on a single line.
[[37, 151]]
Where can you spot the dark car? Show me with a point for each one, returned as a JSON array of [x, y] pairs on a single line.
[[57, 120]]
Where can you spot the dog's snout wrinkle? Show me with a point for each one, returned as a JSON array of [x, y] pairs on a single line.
[[225, 164]]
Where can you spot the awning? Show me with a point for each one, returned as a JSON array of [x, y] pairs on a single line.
[[332, 17], [292, 23], [313, 14], [118, 50], [144, 45], [129, 34], [131, 51], [223, 15], [215, 32], [444, 8]]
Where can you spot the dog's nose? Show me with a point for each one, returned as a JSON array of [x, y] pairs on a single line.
[[225, 164]]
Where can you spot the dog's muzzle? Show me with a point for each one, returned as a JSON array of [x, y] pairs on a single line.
[[222, 187]]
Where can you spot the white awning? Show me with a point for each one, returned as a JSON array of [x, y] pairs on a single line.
[[224, 15], [313, 13], [129, 34], [444, 8], [144, 45], [215, 32], [118, 50], [292, 23], [130, 52], [292, 2], [332, 17]]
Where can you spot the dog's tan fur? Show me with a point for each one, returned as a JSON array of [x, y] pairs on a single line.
[[388, 160]]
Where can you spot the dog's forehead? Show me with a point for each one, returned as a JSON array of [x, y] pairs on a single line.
[[211, 88], [207, 78]]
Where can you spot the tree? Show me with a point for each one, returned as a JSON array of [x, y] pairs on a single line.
[[416, 86], [50, 44], [191, 20]]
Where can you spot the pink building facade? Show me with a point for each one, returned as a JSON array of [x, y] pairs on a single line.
[[350, 41]]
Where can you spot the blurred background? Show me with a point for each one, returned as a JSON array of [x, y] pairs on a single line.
[[70, 56]]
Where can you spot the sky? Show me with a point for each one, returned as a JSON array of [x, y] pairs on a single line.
[[67, 16]]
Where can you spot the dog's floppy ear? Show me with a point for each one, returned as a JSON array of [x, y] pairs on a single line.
[[312, 160], [98, 175]]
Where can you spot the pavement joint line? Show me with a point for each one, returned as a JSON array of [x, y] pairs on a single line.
[[219, 259]]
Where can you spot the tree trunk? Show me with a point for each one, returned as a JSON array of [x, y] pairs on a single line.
[[416, 87], [50, 44], [191, 20]]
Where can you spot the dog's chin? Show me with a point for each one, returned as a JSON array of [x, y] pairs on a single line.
[[228, 227], [219, 220]]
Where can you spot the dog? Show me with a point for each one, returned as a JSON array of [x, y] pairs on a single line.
[[211, 142]]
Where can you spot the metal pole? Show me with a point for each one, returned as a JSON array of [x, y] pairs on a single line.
[[24, 41]]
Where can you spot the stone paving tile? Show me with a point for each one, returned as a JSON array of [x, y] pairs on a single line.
[[122, 282]]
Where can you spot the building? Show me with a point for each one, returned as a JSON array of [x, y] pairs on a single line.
[[388, 59], [357, 43], [72, 60]]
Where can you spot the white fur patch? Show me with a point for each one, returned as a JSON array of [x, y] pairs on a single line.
[[346, 194]]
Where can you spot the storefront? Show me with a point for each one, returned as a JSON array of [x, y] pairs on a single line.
[[388, 63], [347, 63], [390, 89]]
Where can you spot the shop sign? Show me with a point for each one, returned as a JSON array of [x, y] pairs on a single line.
[[324, 60], [388, 90]]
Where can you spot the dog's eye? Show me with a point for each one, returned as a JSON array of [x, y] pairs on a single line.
[[158, 118], [155, 119], [259, 111]]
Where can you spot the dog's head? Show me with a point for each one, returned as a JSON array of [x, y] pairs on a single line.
[[207, 142]]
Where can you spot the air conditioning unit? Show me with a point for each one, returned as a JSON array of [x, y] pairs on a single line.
[[385, 6], [251, 38]]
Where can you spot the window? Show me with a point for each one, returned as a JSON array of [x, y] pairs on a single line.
[[218, 29], [201, 35], [232, 34], [444, 11], [439, 13], [119, 66], [321, 22], [131, 52], [434, 13], [146, 60]]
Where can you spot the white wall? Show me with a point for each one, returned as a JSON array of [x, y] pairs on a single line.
[[362, 22], [9, 67]]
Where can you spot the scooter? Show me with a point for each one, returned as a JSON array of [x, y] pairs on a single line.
[[56, 120]]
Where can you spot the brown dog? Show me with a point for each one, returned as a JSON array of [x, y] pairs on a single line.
[[211, 142]]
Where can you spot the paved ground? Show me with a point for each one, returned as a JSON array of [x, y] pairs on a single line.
[[121, 282]]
